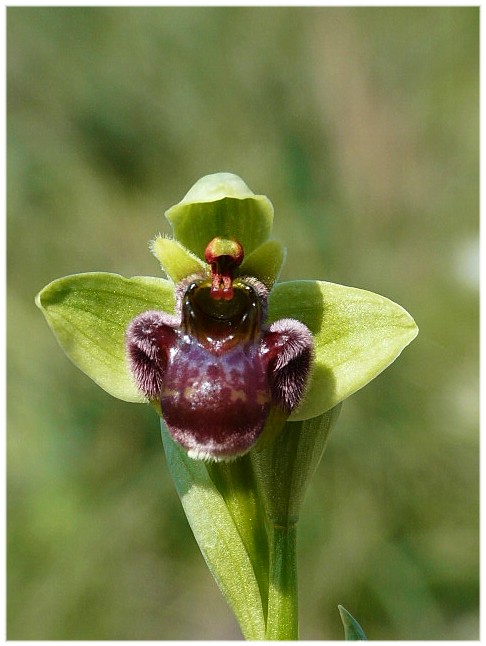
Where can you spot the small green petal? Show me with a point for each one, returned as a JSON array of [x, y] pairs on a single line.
[[265, 262], [89, 314], [177, 261], [357, 334], [221, 205]]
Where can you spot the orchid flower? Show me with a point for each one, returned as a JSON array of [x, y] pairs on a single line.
[[246, 373]]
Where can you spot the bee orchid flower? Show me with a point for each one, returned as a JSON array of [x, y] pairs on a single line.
[[215, 367], [246, 373]]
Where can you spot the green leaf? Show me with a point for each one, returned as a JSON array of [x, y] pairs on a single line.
[[89, 314], [221, 205], [352, 630], [177, 261], [236, 482], [283, 470], [265, 262], [357, 334], [285, 467], [213, 523]]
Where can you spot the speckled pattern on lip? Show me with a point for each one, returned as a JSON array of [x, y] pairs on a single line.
[[222, 398]]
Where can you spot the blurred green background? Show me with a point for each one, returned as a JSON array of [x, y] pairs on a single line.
[[361, 125]]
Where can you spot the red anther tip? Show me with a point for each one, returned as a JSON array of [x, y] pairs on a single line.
[[224, 256]]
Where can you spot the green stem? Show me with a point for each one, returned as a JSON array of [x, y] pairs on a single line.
[[282, 621], [236, 483]]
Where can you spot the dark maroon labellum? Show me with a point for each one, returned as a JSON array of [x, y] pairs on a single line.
[[215, 367]]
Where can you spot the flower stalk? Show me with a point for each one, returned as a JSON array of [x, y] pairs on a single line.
[[283, 622]]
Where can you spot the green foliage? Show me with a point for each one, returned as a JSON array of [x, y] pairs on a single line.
[[221, 538], [352, 630]]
